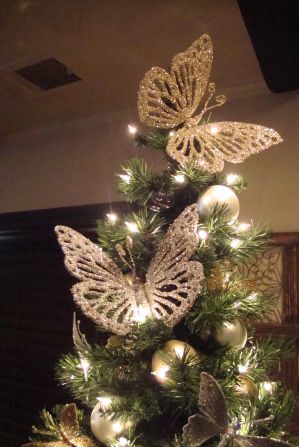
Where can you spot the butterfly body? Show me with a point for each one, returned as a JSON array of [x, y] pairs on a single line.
[[169, 101]]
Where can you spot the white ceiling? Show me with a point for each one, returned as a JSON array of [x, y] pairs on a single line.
[[110, 44]]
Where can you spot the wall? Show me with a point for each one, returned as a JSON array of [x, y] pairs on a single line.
[[75, 164]]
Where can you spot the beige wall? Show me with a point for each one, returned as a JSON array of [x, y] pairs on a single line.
[[75, 164]]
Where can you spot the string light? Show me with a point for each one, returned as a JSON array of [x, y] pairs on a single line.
[[171, 133], [235, 243], [140, 314], [85, 366], [202, 234], [214, 130], [243, 369], [125, 177], [244, 226], [123, 441], [132, 129], [179, 178], [231, 179], [132, 227], [161, 373], [112, 217]]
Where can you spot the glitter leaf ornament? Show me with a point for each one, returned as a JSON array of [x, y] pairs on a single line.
[[69, 432], [168, 100], [105, 295], [212, 420]]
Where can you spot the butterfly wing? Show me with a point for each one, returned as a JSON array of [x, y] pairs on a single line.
[[103, 293], [210, 144], [212, 419], [46, 444], [172, 281], [167, 100], [259, 441]]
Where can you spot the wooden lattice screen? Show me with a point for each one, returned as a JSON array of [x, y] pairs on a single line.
[[36, 310]]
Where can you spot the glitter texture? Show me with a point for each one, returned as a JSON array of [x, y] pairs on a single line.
[[167, 100], [212, 420], [104, 295], [69, 431]]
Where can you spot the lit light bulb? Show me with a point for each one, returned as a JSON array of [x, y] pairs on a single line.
[[268, 387], [125, 177], [85, 366], [252, 296], [243, 369], [161, 373], [132, 129], [132, 227], [140, 314], [244, 226], [235, 243], [231, 179], [123, 441], [171, 133], [179, 178], [202, 234], [214, 130], [105, 402], [72, 377], [112, 217], [179, 350]]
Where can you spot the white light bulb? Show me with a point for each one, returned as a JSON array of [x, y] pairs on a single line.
[[268, 387], [202, 234], [231, 179], [171, 133], [123, 441], [252, 296], [161, 373], [132, 227], [112, 217], [105, 402], [125, 177], [132, 129], [242, 369], [72, 377], [244, 226], [236, 243], [214, 130], [140, 314], [85, 366], [179, 178]]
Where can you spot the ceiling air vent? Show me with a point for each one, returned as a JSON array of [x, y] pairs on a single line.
[[48, 74]]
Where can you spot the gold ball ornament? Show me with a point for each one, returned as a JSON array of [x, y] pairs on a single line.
[[219, 195], [172, 348], [233, 334], [103, 428], [246, 387]]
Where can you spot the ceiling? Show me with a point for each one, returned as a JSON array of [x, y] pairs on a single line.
[[110, 44]]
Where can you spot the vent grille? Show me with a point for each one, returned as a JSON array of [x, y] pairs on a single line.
[[48, 74]]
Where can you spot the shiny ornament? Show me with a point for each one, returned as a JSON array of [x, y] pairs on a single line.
[[246, 387], [103, 427], [69, 432], [170, 100], [233, 334], [219, 195], [105, 295], [172, 348], [212, 420]]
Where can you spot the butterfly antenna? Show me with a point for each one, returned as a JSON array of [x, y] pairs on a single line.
[[129, 244], [219, 101], [122, 254]]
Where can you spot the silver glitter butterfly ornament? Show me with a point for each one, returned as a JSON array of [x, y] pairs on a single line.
[[105, 295], [212, 420]]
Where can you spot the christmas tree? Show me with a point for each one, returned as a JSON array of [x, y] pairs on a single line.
[[178, 364]]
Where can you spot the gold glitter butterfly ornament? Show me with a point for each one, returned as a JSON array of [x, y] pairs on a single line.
[[169, 101], [69, 432], [105, 295]]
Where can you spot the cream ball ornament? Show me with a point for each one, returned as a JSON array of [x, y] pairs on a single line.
[[103, 427], [219, 195], [233, 334], [172, 348]]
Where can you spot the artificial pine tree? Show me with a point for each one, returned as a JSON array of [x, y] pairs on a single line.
[[178, 364]]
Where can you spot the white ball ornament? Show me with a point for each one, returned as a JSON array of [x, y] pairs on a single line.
[[171, 348], [219, 195], [103, 428]]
